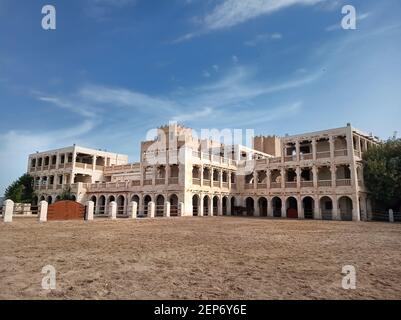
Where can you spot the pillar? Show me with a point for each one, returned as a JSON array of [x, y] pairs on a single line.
[[200, 213], [211, 209], [391, 215], [298, 173], [314, 149], [167, 207], [133, 212], [270, 208], [317, 212], [8, 210], [283, 208], [90, 207], [356, 212], [151, 209], [113, 210], [297, 150], [315, 173], [336, 215], [256, 207], [181, 209], [300, 208], [331, 142], [43, 207]]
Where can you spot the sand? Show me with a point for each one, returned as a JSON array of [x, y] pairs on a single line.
[[200, 258]]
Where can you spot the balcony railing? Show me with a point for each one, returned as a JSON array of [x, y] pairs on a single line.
[[206, 182], [341, 153], [324, 183], [290, 158], [343, 182], [275, 185], [161, 181], [147, 182], [306, 156], [306, 184], [135, 183], [216, 184], [323, 154], [196, 181], [225, 185], [275, 160], [173, 180], [249, 186], [262, 185], [291, 184]]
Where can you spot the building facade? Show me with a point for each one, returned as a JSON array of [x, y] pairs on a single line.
[[315, 175]]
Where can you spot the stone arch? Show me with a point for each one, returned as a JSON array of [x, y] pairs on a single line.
[[262, 203], [173, 205], [345, 206], [250, 206], [326, 208], [277, 205], [206, 205], [102, 205], [225, 205], [146, 200], [160, 205], [74, 197], [216, 203], [195, 205], [292, 208], [308, 205], [120, 205], [233, 204]]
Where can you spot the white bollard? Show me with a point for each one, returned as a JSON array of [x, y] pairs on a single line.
[[8, 210], [90, 208], [181, 208], [43, 206], [151, 209], [133, 213], [167, 209], [113, 210], [391, 215]]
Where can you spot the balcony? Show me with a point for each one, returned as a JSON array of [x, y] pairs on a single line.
[[357, 153], [173, 180], [323, 155], [275, 185], [147, 182], [275, 160], [216, 184], [306, 156], [249, 186], [291, 184], [343, 182], [341, 153], [262, 185], [161, 181], [233, 186], [307, 184], [324, 183], [206, 182], [225, 185], [135, 183], [196, 181], [290, 158]]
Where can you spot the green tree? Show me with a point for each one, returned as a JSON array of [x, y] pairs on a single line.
[[66, 195], [382, 173], [21, 190]]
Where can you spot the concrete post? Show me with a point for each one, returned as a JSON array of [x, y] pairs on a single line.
[[133, 212], [151, 209], [167, 207], [113, 210], [43, 206], [181, 209], [391, 215], [8, 210], [90, 208]]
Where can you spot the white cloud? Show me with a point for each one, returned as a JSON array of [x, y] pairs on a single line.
[[261, 38], [233, 12]]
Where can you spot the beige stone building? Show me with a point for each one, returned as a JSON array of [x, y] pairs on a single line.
[[316, 175]]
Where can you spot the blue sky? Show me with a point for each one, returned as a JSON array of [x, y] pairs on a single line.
[[114, 69]]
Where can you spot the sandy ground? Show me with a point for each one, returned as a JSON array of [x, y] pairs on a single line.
[[200, 258]]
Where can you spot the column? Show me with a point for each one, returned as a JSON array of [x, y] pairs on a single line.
[[336, 215], [211, 209], [113, 210], [356, 212], [90, 206], [200, 208], [298, 173], [315, 173], [167, 207], [8, 210], [333, 170], [167, 174], [297, 150], [43, 206], [283, 208], [255, 179], [331, 142], [154, 170], [201, 175], [268, 177], [317, 213], [181, 209], [363, 208], [314, 149], [282, 178], [94, 163], [220, 207], [221, 178], [270, 208], [256, 207], [300, 208]]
